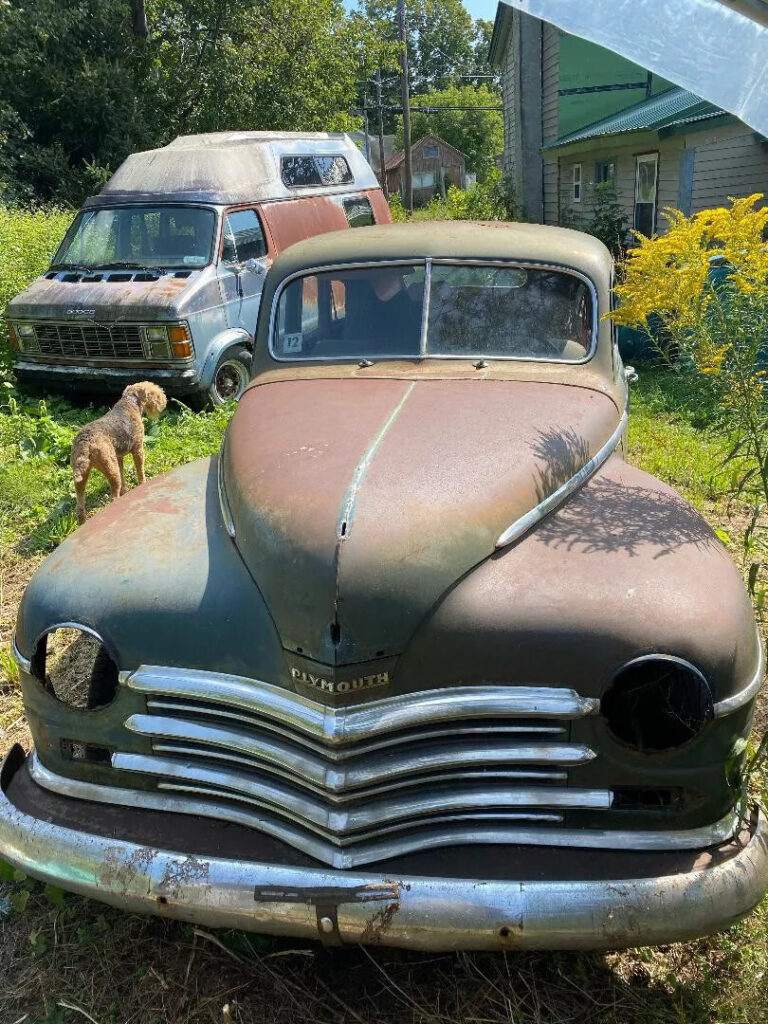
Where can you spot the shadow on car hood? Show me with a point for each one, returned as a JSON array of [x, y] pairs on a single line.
[[357, 503]]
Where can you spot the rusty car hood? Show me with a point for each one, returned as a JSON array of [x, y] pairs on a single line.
[[357, 503], [119, 295]]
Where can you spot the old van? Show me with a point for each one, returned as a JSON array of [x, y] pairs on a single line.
[[161, 273]]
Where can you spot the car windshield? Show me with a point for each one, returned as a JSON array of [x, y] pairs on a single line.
[[472, 310], [138, 236]]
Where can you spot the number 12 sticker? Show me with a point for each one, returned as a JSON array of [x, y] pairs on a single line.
[[292, 343]]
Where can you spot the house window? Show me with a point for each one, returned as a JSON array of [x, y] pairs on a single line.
[[605, 172], [576, 183], [424, 180], [646, 186], [430, 152]]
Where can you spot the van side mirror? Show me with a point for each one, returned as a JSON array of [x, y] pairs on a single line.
[[254, 266]]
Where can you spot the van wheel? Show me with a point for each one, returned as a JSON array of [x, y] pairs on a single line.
[[232, 373]]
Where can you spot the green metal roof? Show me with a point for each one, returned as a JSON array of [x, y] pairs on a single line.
[[666, 110]]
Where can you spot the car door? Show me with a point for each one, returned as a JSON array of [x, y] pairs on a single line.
[[244, 241]]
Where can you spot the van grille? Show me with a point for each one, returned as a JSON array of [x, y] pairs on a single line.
[[90, 340], [352, 785]]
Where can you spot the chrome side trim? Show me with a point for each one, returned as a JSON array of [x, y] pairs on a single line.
[[738, 700], [266, 752], [226, 511], [344, 725], [24, 663], [475, 830], [524, 523]]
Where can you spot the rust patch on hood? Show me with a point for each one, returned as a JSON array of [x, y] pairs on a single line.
[[358, 503]]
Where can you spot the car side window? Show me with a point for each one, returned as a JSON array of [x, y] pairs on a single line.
[[359, 211], [243, 237]]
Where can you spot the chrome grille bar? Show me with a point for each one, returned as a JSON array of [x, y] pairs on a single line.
[[338, 726], [368, 818]]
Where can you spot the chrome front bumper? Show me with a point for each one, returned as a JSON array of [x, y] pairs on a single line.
[[415, 912]]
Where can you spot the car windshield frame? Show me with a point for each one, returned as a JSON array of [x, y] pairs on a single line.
[[140, 263], [428, 263]]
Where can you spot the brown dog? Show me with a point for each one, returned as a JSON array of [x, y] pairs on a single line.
[[104, 443]]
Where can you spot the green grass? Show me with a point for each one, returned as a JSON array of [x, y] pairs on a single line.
[[66, 960]]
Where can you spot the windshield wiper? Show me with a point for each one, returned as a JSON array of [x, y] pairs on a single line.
[[72, 266], [128, 265]]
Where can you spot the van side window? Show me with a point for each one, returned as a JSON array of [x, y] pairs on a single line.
[[359, 211], [301, 171], [243, 237]]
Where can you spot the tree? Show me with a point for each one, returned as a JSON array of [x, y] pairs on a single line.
[[83, 87], [477, 132]]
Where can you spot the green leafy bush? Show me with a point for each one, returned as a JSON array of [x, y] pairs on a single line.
[[28, 239], [493, 199]]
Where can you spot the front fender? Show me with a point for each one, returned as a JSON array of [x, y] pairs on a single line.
[[227, 339], [156, 575]]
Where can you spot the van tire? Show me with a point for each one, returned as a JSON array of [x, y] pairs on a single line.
[[232, 373]]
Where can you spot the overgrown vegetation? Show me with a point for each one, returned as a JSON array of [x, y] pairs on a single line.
[[493, 199], [28, 239], [700, 291]]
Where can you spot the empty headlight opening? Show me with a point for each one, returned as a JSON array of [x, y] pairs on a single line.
[[657, 703], [74, 666]]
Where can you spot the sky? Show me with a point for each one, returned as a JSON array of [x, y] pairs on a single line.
[[477, 8]]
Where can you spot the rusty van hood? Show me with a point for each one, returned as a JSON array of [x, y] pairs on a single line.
[[127, 295], [356, 504]]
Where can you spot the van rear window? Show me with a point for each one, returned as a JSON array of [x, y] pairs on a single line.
[[359, 212], [301, 171]]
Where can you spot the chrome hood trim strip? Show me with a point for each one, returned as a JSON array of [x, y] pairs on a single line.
[[24, 663], [738, 700], [475, 831], [524, 523], [344, 725]]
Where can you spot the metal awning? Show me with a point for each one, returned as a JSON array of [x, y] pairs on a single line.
[[715, 49], [670, 109]]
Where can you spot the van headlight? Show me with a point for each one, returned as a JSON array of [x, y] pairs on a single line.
[[23, 337], [165, 341]]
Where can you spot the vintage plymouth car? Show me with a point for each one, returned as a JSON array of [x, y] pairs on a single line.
[[418, 659]]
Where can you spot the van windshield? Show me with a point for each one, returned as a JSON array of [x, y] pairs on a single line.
[[455, 310], [138, 236]]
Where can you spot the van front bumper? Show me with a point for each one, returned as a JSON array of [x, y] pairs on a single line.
[[390, 908], [183, 380]]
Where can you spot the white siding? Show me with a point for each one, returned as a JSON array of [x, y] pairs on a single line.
[[732, 161]]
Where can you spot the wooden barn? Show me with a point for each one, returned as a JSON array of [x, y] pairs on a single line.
[[436, 165]]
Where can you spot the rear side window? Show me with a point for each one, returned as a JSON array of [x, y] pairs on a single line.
[[243, 237], [359, 211], [301, 171]]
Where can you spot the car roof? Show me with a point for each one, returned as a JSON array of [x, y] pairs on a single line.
[[229, 168], [462, 240]]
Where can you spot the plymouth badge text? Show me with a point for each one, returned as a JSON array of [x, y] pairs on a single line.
[[339, 685]]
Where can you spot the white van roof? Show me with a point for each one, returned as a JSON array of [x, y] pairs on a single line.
[[240, 167]]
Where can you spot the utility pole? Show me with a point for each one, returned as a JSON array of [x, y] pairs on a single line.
[[408, 197], [139, 18], [382, 161]]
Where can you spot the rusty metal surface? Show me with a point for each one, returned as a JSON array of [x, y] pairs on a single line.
[[357, 503], [155, 572], [165, 298], [391, 909]]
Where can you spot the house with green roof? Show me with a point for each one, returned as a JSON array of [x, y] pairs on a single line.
[[577, 115]]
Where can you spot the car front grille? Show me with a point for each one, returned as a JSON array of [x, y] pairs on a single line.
[[90, 340], [352, 785]]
